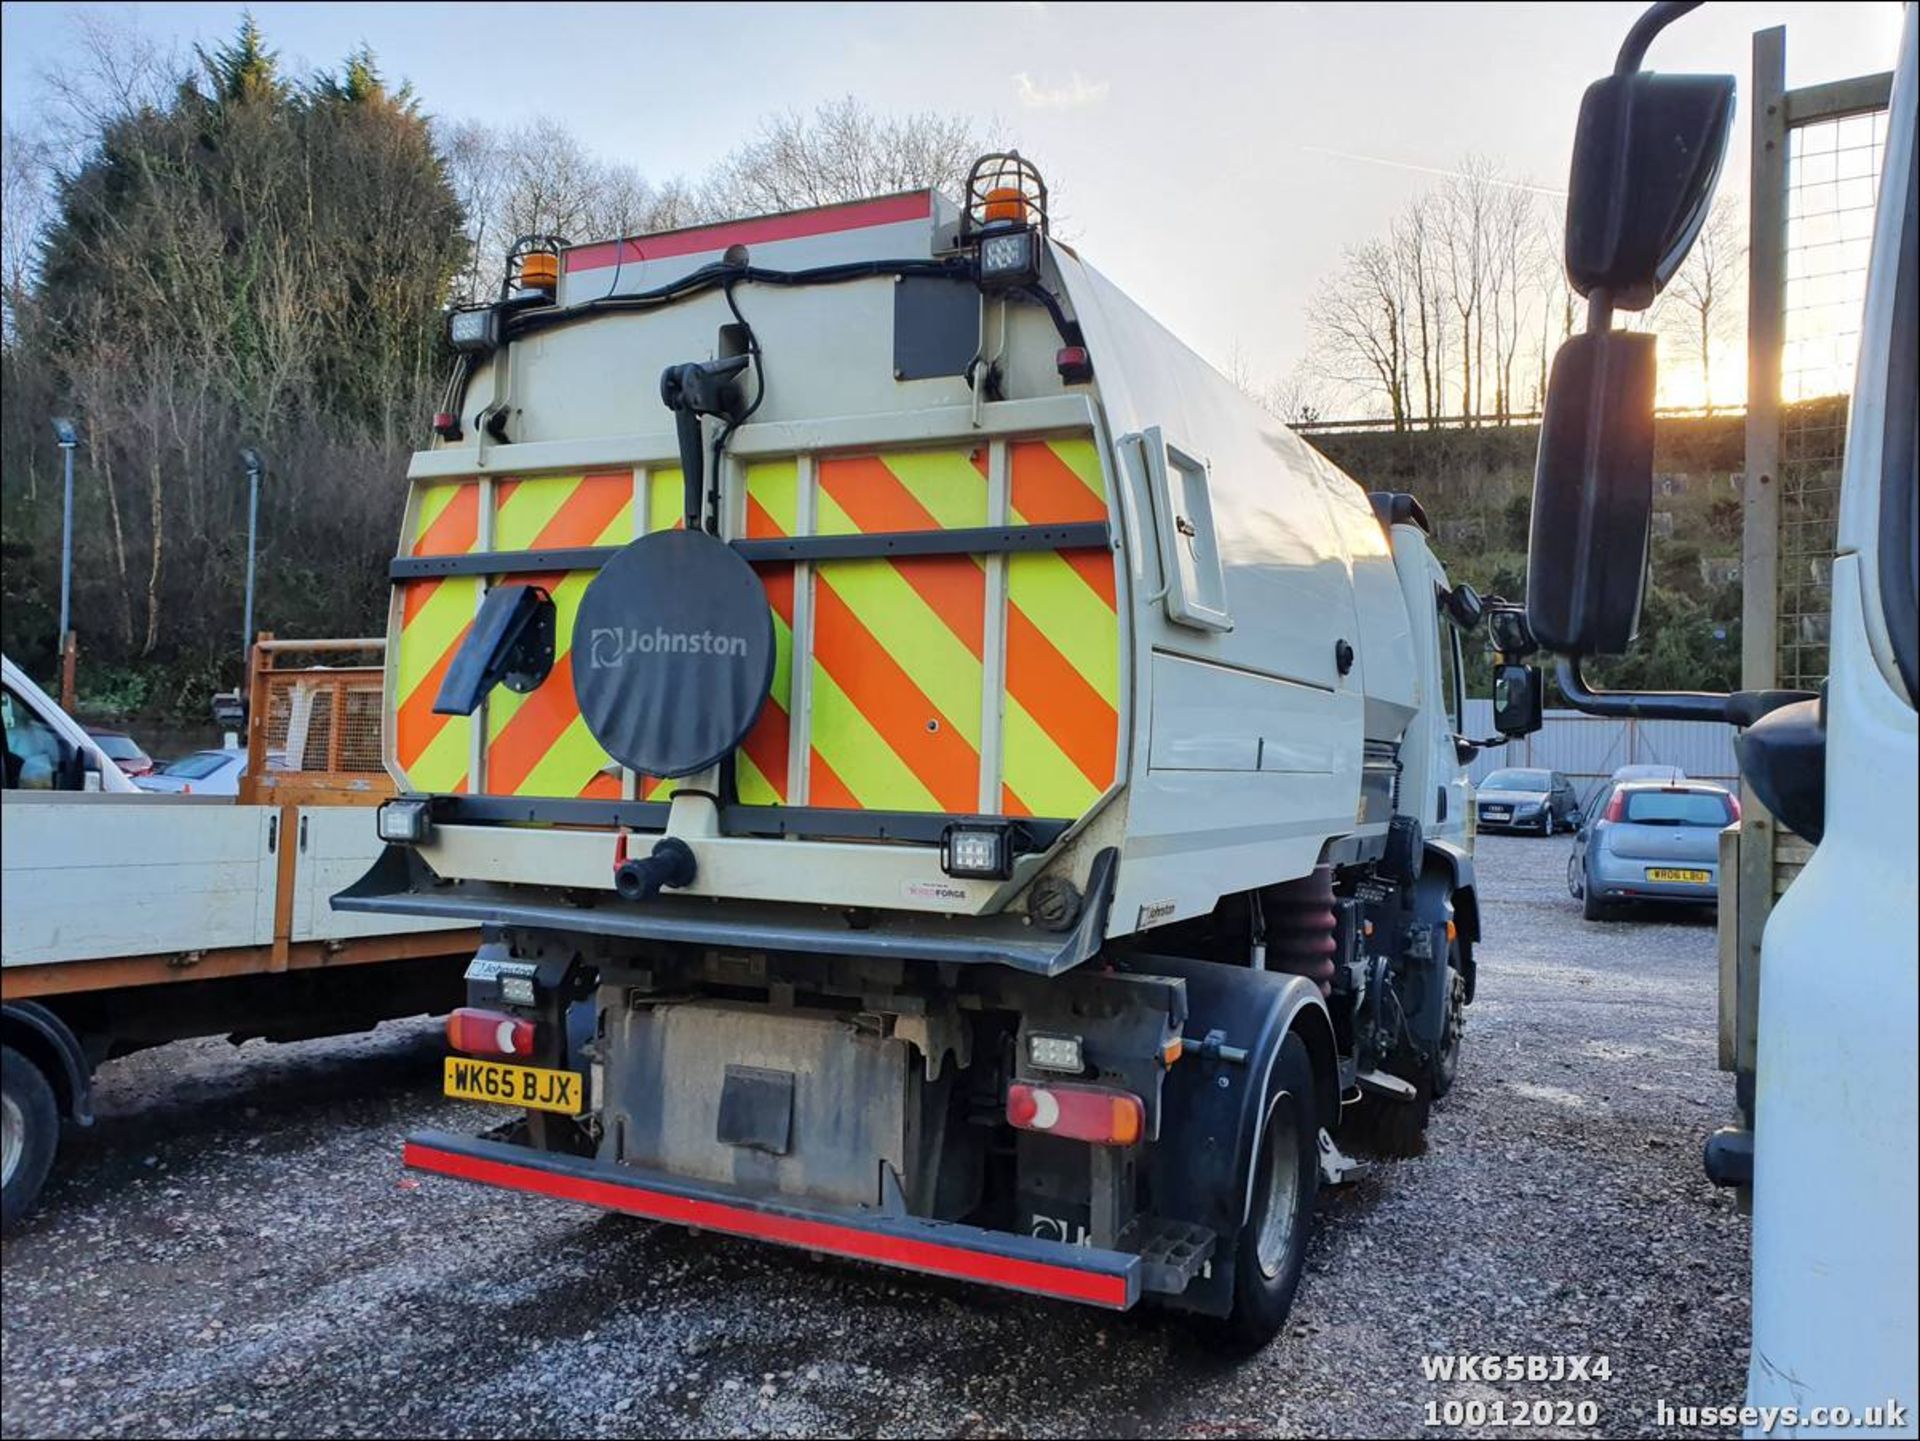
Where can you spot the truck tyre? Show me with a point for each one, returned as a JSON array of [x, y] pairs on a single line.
[[29, 1131], [1272, 1247]]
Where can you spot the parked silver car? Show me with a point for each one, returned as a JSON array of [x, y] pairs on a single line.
[[1650, 841]]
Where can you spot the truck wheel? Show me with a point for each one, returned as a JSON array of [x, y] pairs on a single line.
[[1272, 1247], [29, 1131]]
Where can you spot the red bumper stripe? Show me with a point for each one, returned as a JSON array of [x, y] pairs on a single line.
[[933, 1257]]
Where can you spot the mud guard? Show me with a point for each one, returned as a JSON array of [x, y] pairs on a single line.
[[1212, 1102], [46, 1040], [1457, 865]]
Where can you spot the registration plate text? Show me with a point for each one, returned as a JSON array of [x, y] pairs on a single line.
[[1698, 878], [529, 1086]]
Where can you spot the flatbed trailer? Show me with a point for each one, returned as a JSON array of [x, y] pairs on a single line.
[[133, 919]]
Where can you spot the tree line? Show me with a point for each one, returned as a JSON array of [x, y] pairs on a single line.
[[204, 252], [1453, 315]]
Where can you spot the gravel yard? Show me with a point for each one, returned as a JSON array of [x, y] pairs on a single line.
[[235, 1250]]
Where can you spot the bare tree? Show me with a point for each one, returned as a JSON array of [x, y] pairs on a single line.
[[1359, 328], [1416, 251], [1700, 304], [843, 151]]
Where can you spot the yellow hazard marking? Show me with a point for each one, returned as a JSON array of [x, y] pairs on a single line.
[[1051, 594], [860, 755], [774, 486], [918, 641], [1036, 770], [666, 499], [946, 482], [430, 500]]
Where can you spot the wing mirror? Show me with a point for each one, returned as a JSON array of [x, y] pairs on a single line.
[[1593, 495], [1464, 606], [1645, 158], [1518, 699]]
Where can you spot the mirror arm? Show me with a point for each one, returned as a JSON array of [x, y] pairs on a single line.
[[1691, 705], [1658, 17]]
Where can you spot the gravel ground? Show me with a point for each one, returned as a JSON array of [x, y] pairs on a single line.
[[235, 1250]]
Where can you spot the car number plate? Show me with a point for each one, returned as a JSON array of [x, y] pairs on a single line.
[[528, 1086], [1657, 873], [1497, 813]]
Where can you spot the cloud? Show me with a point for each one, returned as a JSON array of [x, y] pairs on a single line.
[[1077, 92]]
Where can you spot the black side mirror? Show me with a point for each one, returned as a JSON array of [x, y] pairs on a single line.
[[1645, 158], [1593, 495], [1517, 699], [70, 769], [1464, 606]]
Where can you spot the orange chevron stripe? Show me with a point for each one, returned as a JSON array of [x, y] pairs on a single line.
[[954, 586], [416, 722], [1011, 804], [525, 739], [1095, 567], [456, 528], [602, 787], [827, 789], [414, 595], [761, 525], [584, 516], [1045, 489], [895, 706], [766, 745], [1081, 723]]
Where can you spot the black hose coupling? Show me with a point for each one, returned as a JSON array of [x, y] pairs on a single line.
[[671, 864]]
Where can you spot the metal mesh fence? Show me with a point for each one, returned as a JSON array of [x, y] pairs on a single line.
[[304, 710], [1833, 180]]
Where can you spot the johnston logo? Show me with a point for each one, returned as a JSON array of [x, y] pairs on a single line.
[[609, 646]]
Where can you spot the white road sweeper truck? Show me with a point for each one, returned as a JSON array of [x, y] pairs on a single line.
[[945, 779]]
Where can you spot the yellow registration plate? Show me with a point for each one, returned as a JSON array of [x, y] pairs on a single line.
[[1699, 878], [528, 1086]]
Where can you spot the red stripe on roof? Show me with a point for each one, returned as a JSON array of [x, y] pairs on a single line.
[[828, 220], [933, 1257]]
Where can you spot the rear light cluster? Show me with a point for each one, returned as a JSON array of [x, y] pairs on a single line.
[[475, 1032], [1617, 807], [1080, 1113]]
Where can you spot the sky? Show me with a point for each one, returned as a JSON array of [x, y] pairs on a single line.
[[1214, 160]]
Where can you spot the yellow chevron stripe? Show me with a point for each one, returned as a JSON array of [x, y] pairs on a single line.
[[774, 486], [666, 498], [859, 755], [946, 482], [1066, 610], [533, 503], [1080, 457], [570, 762], [1042, 775], [754, 788], [423, 642], [442, 764], [914, 636]]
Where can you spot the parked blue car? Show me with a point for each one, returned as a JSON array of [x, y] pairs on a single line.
[[1652, 841]]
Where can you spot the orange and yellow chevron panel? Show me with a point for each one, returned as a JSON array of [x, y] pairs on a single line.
[[435, 615]]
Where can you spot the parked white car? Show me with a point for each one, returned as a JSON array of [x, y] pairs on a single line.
[[201, 773]]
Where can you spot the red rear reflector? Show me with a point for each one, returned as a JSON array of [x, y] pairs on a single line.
[[1617, 807], [1075, 365], [1080, 1113], [475, 1032]]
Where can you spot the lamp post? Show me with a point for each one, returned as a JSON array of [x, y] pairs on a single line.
[[67, 437], [256, 467]]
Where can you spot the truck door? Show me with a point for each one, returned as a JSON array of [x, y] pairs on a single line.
[[1447, 716]]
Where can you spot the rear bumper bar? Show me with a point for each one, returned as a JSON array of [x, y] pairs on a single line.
[[1110, 1279]]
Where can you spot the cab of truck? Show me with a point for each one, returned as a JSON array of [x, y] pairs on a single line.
[[46, 749]]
